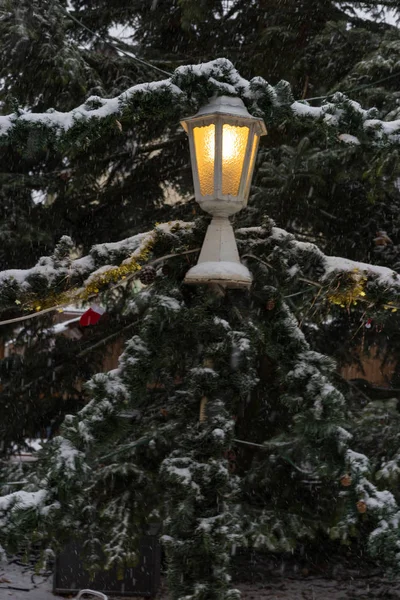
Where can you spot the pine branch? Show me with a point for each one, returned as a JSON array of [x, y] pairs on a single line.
[[60, 367], [386, 279], [93, 296], [176, 92]]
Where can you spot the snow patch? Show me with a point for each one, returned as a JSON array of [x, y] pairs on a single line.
[[349, 139], [169, 303], [220, 270], [386, 127], [337, 263], [305, 110], [225, 324], [66, 454], [23, 500], [38, 196], [218, 433]]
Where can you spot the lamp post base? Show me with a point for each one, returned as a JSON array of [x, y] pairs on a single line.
[[219, 261], [225, 274]]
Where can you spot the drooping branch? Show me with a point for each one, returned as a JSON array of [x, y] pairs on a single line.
[[344, 282], [182, 93], [53, 283], [60, 307]]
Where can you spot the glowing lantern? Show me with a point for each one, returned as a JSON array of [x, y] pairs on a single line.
[[223, 139]]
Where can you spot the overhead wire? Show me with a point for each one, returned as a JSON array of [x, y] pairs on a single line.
[[358, 88], [154, 67], [112, 45]]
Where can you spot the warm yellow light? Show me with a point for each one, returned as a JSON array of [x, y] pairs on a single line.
[[251, 166], [229, 142], [234, 145], [204, 141]]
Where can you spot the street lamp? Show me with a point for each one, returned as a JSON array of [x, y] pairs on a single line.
[[223, 139]]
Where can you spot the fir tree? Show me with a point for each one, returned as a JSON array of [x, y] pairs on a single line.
[[204, 375], [338, 115], [107, 190], [228, 338], [67, 63]]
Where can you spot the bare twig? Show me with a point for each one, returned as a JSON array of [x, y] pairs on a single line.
[[263, 262], [354, 386], [264, 447]]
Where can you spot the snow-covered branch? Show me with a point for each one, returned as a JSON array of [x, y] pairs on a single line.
[[188, 87], [107, 264], [337, 264]]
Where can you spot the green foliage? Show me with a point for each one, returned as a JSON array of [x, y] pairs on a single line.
[[35, 34], [200, 374], [139, 448]]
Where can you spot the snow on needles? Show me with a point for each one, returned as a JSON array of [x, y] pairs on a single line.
[[349, 139], [101, 258], [337, 263], [224, 79], [23, 500], [332, 264], [94, 107]]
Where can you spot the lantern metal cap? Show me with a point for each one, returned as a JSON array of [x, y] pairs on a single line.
[[228, 106]]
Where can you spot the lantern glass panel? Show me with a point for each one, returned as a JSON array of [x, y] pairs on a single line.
[[234, 144], [251, 166], [204, 142]]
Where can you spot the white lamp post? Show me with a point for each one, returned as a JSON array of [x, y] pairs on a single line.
[[223, 139]]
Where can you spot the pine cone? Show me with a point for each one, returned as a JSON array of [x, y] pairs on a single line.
[[147, 275], [346, 480], [270, 305], [382, 239], [361, 507]]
